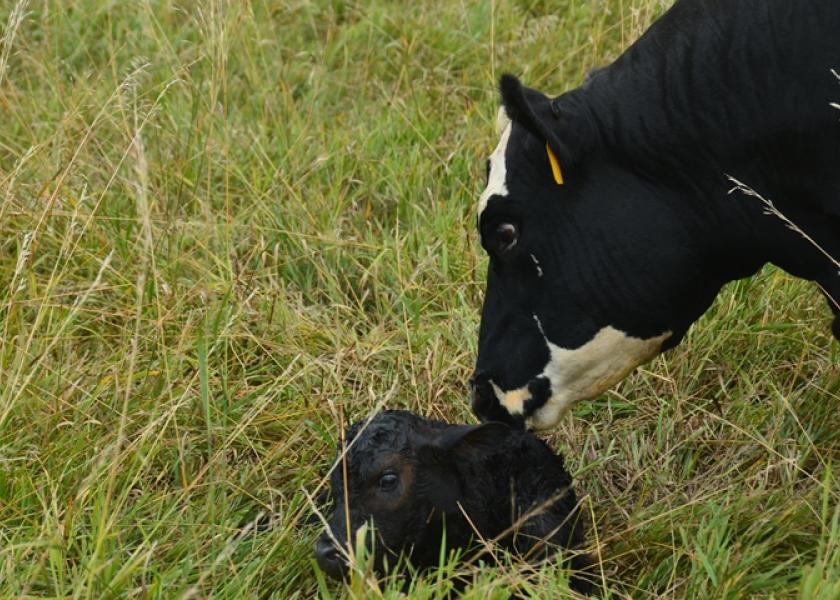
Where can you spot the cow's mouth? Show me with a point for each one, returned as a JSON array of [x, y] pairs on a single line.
[[486, 404]]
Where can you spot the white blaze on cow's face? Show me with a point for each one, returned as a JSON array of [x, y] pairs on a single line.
[[496, 185], [581, 373]]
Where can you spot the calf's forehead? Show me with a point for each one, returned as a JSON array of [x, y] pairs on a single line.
[[382, 439]]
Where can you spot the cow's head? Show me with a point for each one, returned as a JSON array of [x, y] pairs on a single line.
[[594, 267]]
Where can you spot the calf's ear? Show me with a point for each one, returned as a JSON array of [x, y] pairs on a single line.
[[559, 121], [470, 439], [461, 441], [455, 445]]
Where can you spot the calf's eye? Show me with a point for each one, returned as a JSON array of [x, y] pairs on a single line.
[[388, 481]]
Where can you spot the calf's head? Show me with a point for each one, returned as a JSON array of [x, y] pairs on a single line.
[[399, 473], [593, 268]]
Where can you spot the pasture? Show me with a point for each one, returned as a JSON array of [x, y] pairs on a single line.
[[228, 227]]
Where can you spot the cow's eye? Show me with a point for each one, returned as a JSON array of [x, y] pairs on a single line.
[[388, 481], [506, 235]]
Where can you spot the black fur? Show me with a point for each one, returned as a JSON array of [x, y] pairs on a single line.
[[491, 472], [643, 234]]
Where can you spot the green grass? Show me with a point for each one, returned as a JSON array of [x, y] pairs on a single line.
[[225, 227]]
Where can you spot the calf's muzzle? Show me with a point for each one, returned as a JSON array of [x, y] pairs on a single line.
[[329, 558]]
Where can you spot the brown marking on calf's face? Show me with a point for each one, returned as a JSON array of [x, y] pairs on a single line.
[[386, 482], [428, 487], [378, 497]]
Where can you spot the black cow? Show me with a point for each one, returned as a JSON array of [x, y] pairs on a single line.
[[607, 216], [415, 478]]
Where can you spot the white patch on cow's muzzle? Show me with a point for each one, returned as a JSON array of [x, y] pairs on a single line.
[[582, 373], [496, 185]]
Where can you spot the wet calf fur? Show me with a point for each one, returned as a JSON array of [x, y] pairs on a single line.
[[413, 478]]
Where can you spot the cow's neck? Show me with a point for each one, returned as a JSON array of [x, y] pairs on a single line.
[[697, 99], [704, 91]]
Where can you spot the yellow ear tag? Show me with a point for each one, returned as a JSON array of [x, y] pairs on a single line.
[[555, 166]]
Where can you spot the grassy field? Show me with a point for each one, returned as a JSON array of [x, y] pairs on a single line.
[[227, 227]]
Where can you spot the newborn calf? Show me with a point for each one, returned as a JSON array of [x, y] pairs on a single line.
[[416, 478]]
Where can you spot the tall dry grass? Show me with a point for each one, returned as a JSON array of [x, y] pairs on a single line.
[[226, 226]]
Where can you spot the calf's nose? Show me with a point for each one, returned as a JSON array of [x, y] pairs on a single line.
[[328, 558]]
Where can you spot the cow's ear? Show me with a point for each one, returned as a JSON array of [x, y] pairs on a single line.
[[556, 121]]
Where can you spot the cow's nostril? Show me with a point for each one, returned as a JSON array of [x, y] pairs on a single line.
[[328, 558], [483, 398], [487, 407], [480, 377]]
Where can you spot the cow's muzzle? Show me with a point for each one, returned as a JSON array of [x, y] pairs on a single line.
[[486, 405]]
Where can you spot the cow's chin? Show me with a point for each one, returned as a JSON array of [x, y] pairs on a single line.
[[578, 374]]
